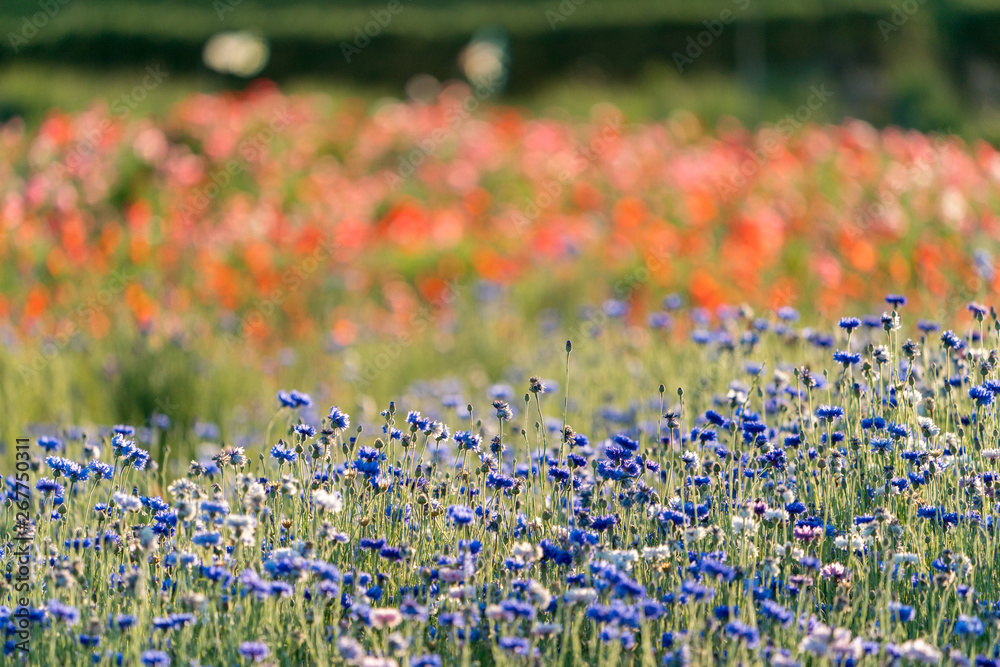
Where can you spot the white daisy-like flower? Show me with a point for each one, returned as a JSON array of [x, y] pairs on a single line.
[[744, 525], [331, 502], [919, 650], [776, 514]]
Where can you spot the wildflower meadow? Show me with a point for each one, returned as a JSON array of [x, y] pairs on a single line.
[[789, 496], [295, 380]]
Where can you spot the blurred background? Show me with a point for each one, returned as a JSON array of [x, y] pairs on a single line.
[[926, 65]]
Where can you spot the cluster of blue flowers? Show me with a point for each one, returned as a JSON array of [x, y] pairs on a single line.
[[818, 507]]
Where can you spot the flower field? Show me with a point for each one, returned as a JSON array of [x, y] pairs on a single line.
[[792, 505], [567, 390]]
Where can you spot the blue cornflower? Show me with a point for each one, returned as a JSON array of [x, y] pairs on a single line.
[[788, 314], [50, 444], [503, 410], [616, 453], [207, 539], [124, 621], [978, 310], [603, 523], [796, 507], [460, 515], [897, 431], [773, 610], [895, 300], [394, 554], [305, 430], [122, 446], [155, 658], [829, 412], [743, 632], [339, 420], [849, 324], [283, 454], [294, 399], [846, 358], [64, 612], [69, 469], [626, 442], [881, 445], [50, 486], [427, 660], [951, 341], [557, 474], [515, 645], [968, 625], [981, 395], [101, 470], [255, 651], [900, 612]]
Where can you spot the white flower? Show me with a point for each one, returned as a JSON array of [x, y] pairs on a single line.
[[843, 646], [331, 502], [928, 426], [580, 596], [796, 553], [906, 558], [919, 650], [656, 553], [373, 661], [854, 542], [776, 515], [255, 497], [385, 617], [127, 502], [991, 454], [744, 525], [244, 526], [694, 534], [539, 594], [544, 629], [780, 660], [450, 575], [526, 551], [816, 641], [620, 558]]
